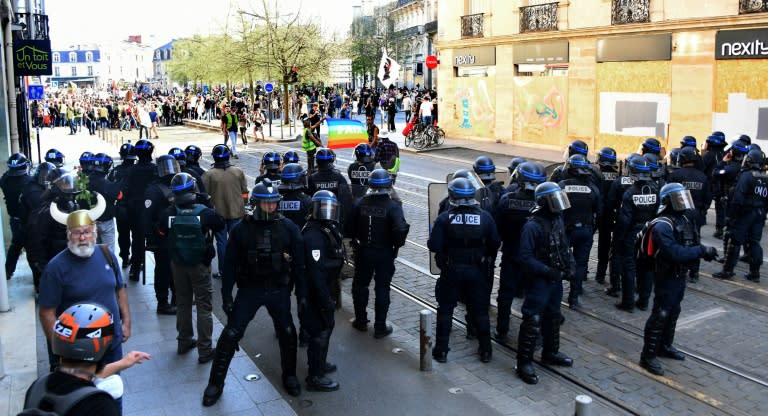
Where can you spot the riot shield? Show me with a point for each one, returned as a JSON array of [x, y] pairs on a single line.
[[436, 192]]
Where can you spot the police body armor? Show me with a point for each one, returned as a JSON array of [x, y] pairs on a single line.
[[325, 180], [581, 196], [514, 209], [336, 254], [266, 265], [758, 197], [139, 176], [358, 177], [464, 238], [374, 228], [609, 176], [686, 234], [554, 252], [295, 206], [645, 200]]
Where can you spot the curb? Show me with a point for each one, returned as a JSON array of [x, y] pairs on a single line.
[[204, 126]]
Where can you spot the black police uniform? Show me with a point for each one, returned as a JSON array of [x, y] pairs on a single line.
[[695, 181], [511, 214], [12, 187], [465, 241], [580, 220], [639, 205], [746, 213], [378, 229], [324, 257], [265, 259], [358, 177], [97, 182], [138, 177], [605, 223], [326, 178], [31, 200], [157, 198], [610, 210], [489, 195], [712, 158], [295, 206], [272, 175], [561, 173], [118, 176]]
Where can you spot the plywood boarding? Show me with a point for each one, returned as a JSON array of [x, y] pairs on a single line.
[[541, 110], [741, 98]]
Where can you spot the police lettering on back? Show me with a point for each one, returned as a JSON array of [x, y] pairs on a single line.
[[466, 219]]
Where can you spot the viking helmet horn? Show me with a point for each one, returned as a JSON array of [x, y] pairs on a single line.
[[80, 217]]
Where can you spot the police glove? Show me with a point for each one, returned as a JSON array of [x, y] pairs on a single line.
[[709, 253], [554, 275]]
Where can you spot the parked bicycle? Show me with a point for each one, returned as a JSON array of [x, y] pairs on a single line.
[[422, 136]]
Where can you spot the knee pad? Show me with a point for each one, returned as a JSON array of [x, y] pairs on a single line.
[[231, 334], [533, 320]]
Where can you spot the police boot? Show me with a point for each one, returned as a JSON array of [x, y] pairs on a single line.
[[440, 352], [651, 341], [485, 351], [225, 350], [287, 341], [526, 345], [668, 338], [471, 331], [754, 273], [551, 354], [317, 351], [134, 272], [361, 319], [380, 327], [502, 320], [730, 263]]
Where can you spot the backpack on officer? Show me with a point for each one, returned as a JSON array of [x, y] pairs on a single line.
[[645, 248], [187, 240]]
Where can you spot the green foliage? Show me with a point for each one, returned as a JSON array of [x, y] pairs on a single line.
[[83, 193]]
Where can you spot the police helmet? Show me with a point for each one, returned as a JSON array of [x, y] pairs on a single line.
[[716, 140], [577, 165], [325, 206], [549, 195], [606, 157], [484, 168], [738, 149], [578, 147], [514, 163], [144, 149], [264, 192], [754, 160], [379, 182], [325, 157], [461, 192], [102, 163], [675, 195], [18, 164], [755, 146], [86, 161], [688, 141], [271, 161], [651, 145], [290, 156], [686, 155], [220, 153], [179, 155], [55, 156], [529, 175], [638, 168], [462, 173], [746, 139], [193, 153], [54, 175], [67, 183], [654, 164], [363, 153], [167, 165], [293, 176], [83, 332], [184, 188], [41, 173]]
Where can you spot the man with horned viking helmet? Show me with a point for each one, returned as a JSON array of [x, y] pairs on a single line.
[[84, 274]]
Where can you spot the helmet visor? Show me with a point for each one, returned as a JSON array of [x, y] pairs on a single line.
[[326, 210], [66, 184], [167, 166], [557, 200], [681, 200]]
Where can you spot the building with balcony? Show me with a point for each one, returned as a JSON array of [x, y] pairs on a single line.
[[414, 29], [609, 72]]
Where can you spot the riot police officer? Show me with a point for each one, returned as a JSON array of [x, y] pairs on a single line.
[[265, 256], [378, 229], [676, 241], [657, 169], [511, 214], [464, 240], [117, 176], [55, 156], [31, 200], [546, 259], [12, 182], [157, 198], [610, 209], [746, 215], [179, 155], [606, 162], [137, 178], [696, 182], [193, 163], [290, 156], [639, 204], [513, 164], [270, 168], [324, 257], [488, 196], [673, 163], [295, 204], [561, 172], [97, 182], [652, 146], [359, 170], [329, 179], [445, 203], [714, 151], [86, 162], [580, 220]]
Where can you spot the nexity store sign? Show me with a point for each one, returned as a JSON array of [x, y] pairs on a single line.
[[741, 44]]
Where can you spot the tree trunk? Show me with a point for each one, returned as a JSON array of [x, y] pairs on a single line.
[[252, 90], [286, 104]]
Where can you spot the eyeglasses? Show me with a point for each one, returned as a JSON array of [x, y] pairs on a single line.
[[78, 234]]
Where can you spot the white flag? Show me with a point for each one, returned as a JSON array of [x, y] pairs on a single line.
[[389, 70]]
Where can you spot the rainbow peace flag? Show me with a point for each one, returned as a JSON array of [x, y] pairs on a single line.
[[344, 133]]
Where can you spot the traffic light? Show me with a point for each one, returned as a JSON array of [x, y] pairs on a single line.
[[294, 74]]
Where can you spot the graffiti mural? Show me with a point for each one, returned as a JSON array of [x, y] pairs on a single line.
[[474, 110], [540, 109]]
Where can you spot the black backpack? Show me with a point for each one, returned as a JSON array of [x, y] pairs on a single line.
[[645, 250], [40, 398]]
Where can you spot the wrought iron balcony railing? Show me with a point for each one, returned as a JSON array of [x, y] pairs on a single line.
[[472, 26], [630, 11], [753, 6], [539, 18], [36, 25]]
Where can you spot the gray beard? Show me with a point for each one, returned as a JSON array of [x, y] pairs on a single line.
[[81, 251]]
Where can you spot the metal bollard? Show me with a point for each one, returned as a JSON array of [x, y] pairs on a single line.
[[425, 342], [583, 405]]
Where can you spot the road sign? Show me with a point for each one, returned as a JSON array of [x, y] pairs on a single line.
[[432, 62], [205, 89], [268, 87], [35, 92]]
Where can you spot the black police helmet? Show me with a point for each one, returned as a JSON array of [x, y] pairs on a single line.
[[461, 173], [577, 165], [193, 153], [18, 164], [638, 168], [606, 157], [688, 141], [102, 163], [325, 206], [549, 195], [674, 195], [379, 182], [325, 157], [144, 149], [363, 153], [529, 175], [461, 192], [738, 149], [167, 165], [264, 192], [54, 175], [514, 163], [41, 173], [716, 140], [184, 188], [754, 160], [578, 146], [86, 162], [484, 168], [67, 183], [179, 155], [127, 152], [687, 155], [55, 156], [654, 164], [271, 161], [220, 153], [293, 176], [290, 156], [651, 145], [746, 139]]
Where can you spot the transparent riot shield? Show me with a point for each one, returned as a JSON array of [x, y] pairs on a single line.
[[436, 192]]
